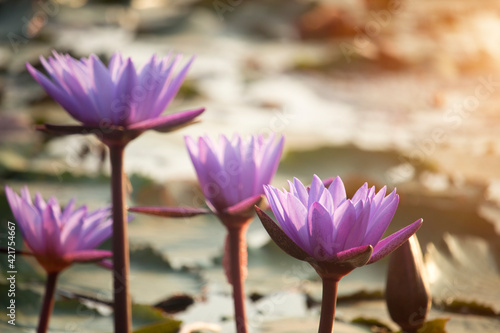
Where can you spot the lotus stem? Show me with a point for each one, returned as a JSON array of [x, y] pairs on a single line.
[[48, 302], [121, 260], [328, 305], [237, 251]]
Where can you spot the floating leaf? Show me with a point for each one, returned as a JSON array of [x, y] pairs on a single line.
[[371, 322], [464, 275], [166, 326], [361, 295], [146, 314], [146, 256], [434, 326], [174, 304], [469, 308]]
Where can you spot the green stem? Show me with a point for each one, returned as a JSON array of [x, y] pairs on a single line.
[[48, 303], [328, 304], [121, 260]]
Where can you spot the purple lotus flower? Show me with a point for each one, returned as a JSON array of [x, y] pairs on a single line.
[[117, 103], [328, 227], [118, 95], [334, 234], [56, 237], [233, 172]]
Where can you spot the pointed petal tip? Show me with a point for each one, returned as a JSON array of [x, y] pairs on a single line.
[[169, 122], [88, 256], [280, 237], [108, 264], [29, 67], [245, 206], [387, 245]]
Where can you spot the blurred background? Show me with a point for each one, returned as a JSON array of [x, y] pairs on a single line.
[[401, 93]]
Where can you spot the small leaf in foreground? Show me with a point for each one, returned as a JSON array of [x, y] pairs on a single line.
[[434, 326], [167, 326]]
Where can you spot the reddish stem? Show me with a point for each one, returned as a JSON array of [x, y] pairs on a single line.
[[48, 303], [328, 305], [121, 261], [237, 251]]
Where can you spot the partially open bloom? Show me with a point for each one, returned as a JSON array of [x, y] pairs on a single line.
[[328, 227], [233, 171], [56, 237], [119, 95], [231, 174]]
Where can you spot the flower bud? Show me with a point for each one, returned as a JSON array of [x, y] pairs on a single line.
[[407, 292]]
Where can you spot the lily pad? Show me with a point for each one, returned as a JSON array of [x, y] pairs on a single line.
[[370, 322], [166, 326], [464, 275]]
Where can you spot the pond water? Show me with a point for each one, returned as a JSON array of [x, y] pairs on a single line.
[[415, 108]]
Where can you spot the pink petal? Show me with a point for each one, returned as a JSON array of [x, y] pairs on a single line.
[[71, 234], [246, 169], [194, 154], [357, 256], [170, 89], [358, 228], [280, 237], [106, 264], [102, 85], [380, 221], [343, 220], [123, 105], [115, 65], [88, 255], [229, 174], [377, 200], [270, 160], [243, 206], [326, 200], [392, 242], [299, 190], [51, 232], [149, 82], [213, 189], [169, 122], [337, 190], [68, 210], [275, 203], [95, 237], [28, 221], [321, 229], [58, 94], [296, 223], [316, 190], [360, 194]]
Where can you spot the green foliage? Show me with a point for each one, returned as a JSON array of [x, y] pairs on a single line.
[[361, 296], [371, 322], [145, 256], [146, 314], [65, 176], [459, 306], [26, 299], [189, 90], [166, 326], [434, 326]]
